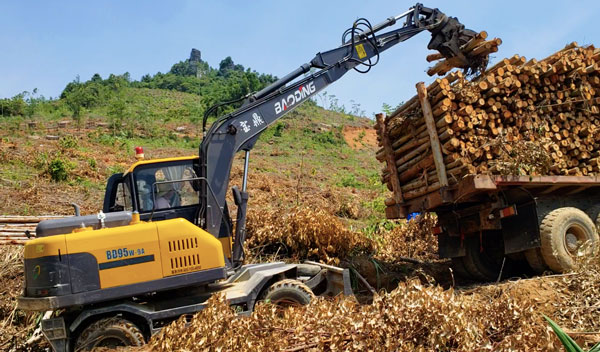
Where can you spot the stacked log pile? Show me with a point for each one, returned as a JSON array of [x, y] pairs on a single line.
[[14, 229], [521, 116]]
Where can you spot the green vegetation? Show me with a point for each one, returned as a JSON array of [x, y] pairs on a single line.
[[349, 181], [67, 142], [115, 169], [569, 344], [228, 82], [130, 105], [306, 150], [14, 106], [388, 109], [59, 169], [328, 137]]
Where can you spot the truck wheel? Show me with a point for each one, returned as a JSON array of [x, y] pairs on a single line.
[[594, 214], [289, 292], [536, 260], [563, 231], [459, 268], [109, 332], [483, 265]]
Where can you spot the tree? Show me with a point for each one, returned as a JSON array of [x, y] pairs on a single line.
[[119, 113], [32, 102], [14, 106], [387, 109], [226, 64], [75, 100], [146, 78], [116, 82], [184, 68], [96, 78], [229, 82]]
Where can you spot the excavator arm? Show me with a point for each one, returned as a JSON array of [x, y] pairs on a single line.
[[361, 46]]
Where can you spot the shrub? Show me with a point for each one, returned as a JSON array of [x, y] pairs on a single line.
[[328, 137], [278, 129], [59, 169], [68, 142], [14, 106], [349, 181]]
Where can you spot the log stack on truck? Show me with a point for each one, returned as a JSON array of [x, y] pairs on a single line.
[[509, 161]]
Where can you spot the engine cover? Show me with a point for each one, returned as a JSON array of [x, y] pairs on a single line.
[[98, 265]]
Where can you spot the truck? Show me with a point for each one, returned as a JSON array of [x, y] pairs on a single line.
[[485, 220], [165, 241], [507, 195]]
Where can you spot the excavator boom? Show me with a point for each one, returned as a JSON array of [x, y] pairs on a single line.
[[361, 46]]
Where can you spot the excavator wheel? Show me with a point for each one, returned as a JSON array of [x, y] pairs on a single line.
[[289, 292], [111, 333]]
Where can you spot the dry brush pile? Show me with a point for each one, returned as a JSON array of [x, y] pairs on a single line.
[[524, 117], [305, 233], [15, 326], [414, 239], [413, 317]]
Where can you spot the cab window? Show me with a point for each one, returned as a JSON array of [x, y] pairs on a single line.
[[123, 198], [169, 186]]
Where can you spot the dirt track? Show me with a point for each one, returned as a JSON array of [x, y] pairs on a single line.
[[360, 137]]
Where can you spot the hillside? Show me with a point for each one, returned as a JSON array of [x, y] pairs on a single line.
[[57, 151], [305, 152]]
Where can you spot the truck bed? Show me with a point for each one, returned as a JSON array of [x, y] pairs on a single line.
[[472, 187]]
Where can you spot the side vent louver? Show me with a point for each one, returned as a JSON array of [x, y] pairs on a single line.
[[186, 260]]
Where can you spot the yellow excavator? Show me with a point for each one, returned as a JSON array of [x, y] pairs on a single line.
[[164, 241]]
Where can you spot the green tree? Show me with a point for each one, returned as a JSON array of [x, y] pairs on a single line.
[[119, 113], [227, 65], [75, 98], [32, 102], [388, 109], [184, 68], [14, 106], [96, 78]]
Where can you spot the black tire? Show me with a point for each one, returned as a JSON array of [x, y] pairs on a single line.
[[483, 262], [536, 260], [109, 332], [459, 268], [289, 292], [594, 214], [562, 232]]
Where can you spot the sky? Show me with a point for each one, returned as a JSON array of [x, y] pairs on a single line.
[[46, 44]]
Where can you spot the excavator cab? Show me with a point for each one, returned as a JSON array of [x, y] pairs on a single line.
[[162, 189], [158, 189]]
